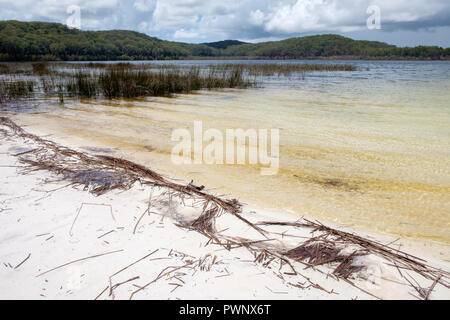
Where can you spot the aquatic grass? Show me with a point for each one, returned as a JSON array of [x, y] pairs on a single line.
[[130, 80], [122, 82], [82, 85], [60, 93], [127, 80], [247, 69], [47, 84], [4, 69], [40, 68], [15, 89], [15, 68]]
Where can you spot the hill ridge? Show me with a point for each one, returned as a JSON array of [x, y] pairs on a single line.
[[32, 41]]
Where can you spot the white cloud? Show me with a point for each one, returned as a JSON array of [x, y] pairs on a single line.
[[144, 5], [345, 15], [256, 17]]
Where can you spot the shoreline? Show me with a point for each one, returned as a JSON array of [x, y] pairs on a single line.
[[79, 225], [343, 58]]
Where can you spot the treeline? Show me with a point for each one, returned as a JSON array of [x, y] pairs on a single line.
[[37, 41], [34, 41], [329, 46]]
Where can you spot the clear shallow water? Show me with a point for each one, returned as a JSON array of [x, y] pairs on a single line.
[[369, 148]]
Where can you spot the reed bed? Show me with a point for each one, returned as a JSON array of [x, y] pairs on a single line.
[[128, 80], [4, 68], [262, 69], [274, 69], [23, 69], [129, 83], [41, 68], [15, 89]]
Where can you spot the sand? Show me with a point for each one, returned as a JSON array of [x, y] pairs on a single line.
[[59, 242]]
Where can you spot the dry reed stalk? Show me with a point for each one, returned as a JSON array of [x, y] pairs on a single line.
[[23, 261], [78, 260], [432, 287]]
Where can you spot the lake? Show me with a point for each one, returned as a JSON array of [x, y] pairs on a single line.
[[368, 148]]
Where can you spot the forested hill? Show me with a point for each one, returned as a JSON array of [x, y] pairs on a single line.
[[26, 41], [224, 44]]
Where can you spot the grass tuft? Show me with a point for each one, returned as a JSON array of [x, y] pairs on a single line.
[[15, 89]]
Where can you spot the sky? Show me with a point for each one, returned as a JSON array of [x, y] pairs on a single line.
[[399, 22]]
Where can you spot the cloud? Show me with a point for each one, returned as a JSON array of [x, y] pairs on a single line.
[[211, 20], [144, 5], [257, 17], [348, 15], [185, 34]]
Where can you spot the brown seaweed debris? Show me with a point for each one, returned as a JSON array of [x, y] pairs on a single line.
[[325, 248], [205, 223], [316, 253]]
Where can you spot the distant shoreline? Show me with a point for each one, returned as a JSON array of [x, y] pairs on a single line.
[[340, 58], [42, 41]]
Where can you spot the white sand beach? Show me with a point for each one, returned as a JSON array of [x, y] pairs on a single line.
[[58, 241]]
